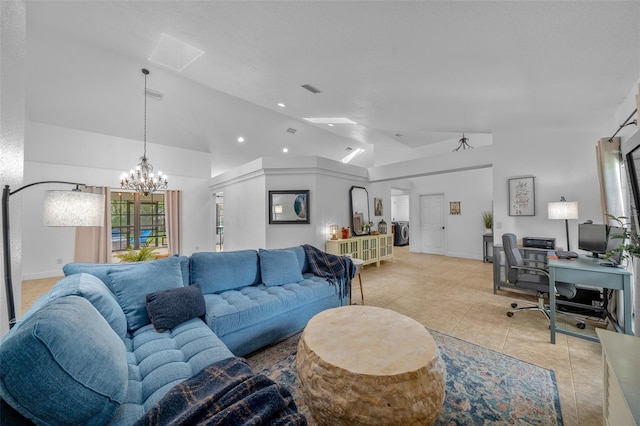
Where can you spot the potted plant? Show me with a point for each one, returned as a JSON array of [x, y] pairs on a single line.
[[131, 255], [631, 243], [487, 220]]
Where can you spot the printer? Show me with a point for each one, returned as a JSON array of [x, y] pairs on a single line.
[[539, 243]]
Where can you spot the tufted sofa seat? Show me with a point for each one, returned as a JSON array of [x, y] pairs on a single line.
[[251, 317], [158, 361]]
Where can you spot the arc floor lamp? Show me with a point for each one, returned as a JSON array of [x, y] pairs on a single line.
[[61, 208]]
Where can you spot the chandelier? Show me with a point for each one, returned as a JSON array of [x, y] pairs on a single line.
[[463, 143], [141, 179]]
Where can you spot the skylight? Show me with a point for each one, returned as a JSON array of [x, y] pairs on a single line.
[[173, 53], [353, 154], [330, 120]]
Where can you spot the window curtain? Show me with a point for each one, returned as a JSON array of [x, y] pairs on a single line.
[[93, 244], [614, 200], [172, 208]]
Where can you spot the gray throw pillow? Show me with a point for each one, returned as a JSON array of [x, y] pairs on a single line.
[[169, 308]]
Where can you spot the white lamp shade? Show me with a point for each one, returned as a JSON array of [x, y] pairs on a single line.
[[73, 208], [563, 210]]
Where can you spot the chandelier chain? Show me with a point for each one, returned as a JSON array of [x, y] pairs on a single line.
[[141, 179], [144, 154]]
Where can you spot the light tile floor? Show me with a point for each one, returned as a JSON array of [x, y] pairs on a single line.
[[455, 296]]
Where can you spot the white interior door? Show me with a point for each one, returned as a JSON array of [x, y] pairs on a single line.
[[432, 223]]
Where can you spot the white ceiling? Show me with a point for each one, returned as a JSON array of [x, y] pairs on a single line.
[[427, 70]]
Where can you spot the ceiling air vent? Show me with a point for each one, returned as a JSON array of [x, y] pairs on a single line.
[[310, 88], [291, 130], [154, 94]]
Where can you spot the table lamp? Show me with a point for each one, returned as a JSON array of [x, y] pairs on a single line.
[[61, 208], [566, 210]]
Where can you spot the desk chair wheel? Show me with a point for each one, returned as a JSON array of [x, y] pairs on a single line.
[[581, 325], [514, 305], [510, 314]]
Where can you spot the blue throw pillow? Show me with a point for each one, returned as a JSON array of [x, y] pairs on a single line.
[[100, 269], [131, 283], [169, 308], [64, 365], [279, 267], [225, 270]]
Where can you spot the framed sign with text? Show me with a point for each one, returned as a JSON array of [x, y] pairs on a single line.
[[522, 196]]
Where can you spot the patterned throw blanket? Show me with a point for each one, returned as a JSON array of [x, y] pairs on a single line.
[[225, 393], [338, 270]]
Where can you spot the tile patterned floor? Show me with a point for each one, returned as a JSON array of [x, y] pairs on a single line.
[[455, 296]]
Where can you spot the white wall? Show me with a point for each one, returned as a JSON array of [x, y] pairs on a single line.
[[563, 162], [57, 153], [400, 208], [246, 204], [12, 123], [463, 232]]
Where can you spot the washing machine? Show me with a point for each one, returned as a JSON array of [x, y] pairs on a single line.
[[401, 232]]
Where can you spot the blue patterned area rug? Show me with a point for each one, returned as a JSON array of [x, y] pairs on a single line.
[[483, 386]]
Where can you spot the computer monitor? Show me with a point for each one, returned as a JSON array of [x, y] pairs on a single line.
[[614, 240], [593, 237]]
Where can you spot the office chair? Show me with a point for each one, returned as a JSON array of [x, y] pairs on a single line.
[[533, 278]]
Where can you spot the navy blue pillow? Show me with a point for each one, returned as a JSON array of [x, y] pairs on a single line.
[[169, 308]]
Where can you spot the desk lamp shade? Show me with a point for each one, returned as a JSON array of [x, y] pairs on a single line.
[[563, 210], [73, 208], [566, 210]]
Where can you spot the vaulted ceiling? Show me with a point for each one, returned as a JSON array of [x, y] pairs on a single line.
[[411, 74]]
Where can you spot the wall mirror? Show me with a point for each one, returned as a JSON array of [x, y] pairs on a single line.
[[359, 209], [289, 206]]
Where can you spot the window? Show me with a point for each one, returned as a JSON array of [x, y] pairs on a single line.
[[137, 220]]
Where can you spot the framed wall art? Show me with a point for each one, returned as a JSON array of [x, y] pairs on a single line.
[[289, 207], [454, 207], [522, 196], [377, 207]]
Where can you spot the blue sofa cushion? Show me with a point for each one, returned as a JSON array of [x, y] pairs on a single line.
[[279, 267], [168, 308], [64, 365], [100, 269], [220, 271], [234, 310], [95, 291], [302, 258], [132, 282]]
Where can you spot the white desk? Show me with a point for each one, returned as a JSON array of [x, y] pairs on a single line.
[[588, 272]]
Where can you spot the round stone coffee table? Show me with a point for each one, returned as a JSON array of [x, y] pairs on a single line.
[[368, 365]]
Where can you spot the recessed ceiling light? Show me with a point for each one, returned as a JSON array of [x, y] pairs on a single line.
[[173, 53], [352, 155], [281, 105], [240, 139], [330, 120], [330, 124], [285, 149]]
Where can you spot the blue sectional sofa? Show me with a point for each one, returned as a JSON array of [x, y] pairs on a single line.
[[109, 340]]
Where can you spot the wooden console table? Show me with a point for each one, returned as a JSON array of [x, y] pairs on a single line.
[[368, 248]]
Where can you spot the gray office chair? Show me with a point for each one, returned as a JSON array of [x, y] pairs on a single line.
[[533, 278]]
